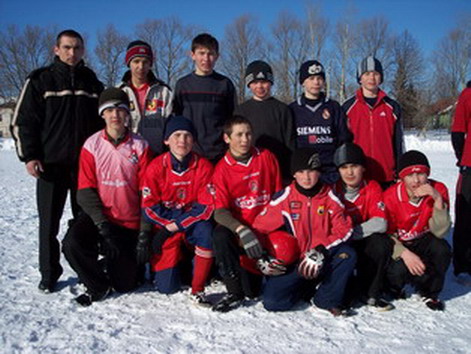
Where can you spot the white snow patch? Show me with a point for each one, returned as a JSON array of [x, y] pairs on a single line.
[[148, 322]]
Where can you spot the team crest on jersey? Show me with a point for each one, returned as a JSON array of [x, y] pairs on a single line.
[[152, 105], [382, 114], [133, 158], [321, 209], [132, 107], [253, 185], [295, 216], [181, 193], [325, 114], [380, 206], [295, 205], [146, 192]]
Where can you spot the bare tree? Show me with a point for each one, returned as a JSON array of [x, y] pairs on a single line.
[[452, 62], [242, 43], [20, 53], [290, 36], [318, 28], [110, 51], [170, 40], [374, 38], [407, 80], [343, 40]]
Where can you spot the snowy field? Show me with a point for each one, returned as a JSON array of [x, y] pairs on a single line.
[[147, 322]]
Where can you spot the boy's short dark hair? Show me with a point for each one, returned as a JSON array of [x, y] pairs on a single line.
[[205, 40], [68, 33], [234, 120]]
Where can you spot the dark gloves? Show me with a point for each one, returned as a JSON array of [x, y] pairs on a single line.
[[158, 240], [312, 262], [143, 247], [270, 266], [107, 245], [250, 242]]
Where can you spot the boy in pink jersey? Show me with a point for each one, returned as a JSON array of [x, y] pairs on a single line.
[[177, 201], [111, 167], [244, 180], [418, 220]]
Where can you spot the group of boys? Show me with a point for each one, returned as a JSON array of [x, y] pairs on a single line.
[[220, 185]]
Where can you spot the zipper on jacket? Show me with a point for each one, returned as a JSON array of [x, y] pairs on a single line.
[[309, 222]]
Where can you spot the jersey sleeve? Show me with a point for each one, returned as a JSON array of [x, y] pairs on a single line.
[[153, 209], [462, 113], [340, 224], [275, 173], [221, 189], [375, 206], [271, 217], [87, 170]]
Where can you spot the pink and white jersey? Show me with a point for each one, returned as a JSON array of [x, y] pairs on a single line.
[[116, 173]]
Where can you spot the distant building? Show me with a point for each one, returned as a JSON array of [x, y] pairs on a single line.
[[6, 115]]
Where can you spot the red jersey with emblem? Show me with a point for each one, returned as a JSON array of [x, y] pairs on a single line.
[[367, 204], [245, 188], [116, 172], [169, 196], [317, 220], [407, 219], [462, 124]]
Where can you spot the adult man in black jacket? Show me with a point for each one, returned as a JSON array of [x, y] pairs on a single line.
[[57, 110]]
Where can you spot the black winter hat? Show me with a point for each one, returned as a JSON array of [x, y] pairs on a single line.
[[175, 123], [305, 159], [310, 68], [412, 161], [113, 97], [349, 153], [369, 64], [258, 70]]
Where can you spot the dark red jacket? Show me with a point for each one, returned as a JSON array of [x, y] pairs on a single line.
[[378, 130]]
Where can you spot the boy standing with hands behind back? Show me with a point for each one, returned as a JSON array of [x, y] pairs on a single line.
[[206, 97]]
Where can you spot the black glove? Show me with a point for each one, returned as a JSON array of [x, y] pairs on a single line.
[[143, 247], [312, 262], [107, 243], [158, 240], [250, 242], [271, 266]]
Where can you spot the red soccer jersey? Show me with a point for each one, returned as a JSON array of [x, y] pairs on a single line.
[[407, 219], [184, 198], [366, 205], [318, 220], [116, 172], [245, 189], [462, 124]]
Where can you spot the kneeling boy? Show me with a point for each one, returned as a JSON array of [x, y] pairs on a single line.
[[418, 219], [178, 202], [310, 211]]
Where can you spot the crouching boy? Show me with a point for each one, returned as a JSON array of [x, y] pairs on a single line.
[[244, 180], [111, 167], [363, 200], [310, 211], [177, 201], [418, 219]]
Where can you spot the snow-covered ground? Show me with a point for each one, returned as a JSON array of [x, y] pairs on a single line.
[[148, 322]]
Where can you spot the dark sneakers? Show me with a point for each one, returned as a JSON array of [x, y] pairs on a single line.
[[47, 287], [228, 302], [87, 298], [434, 304], [379, 304]]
